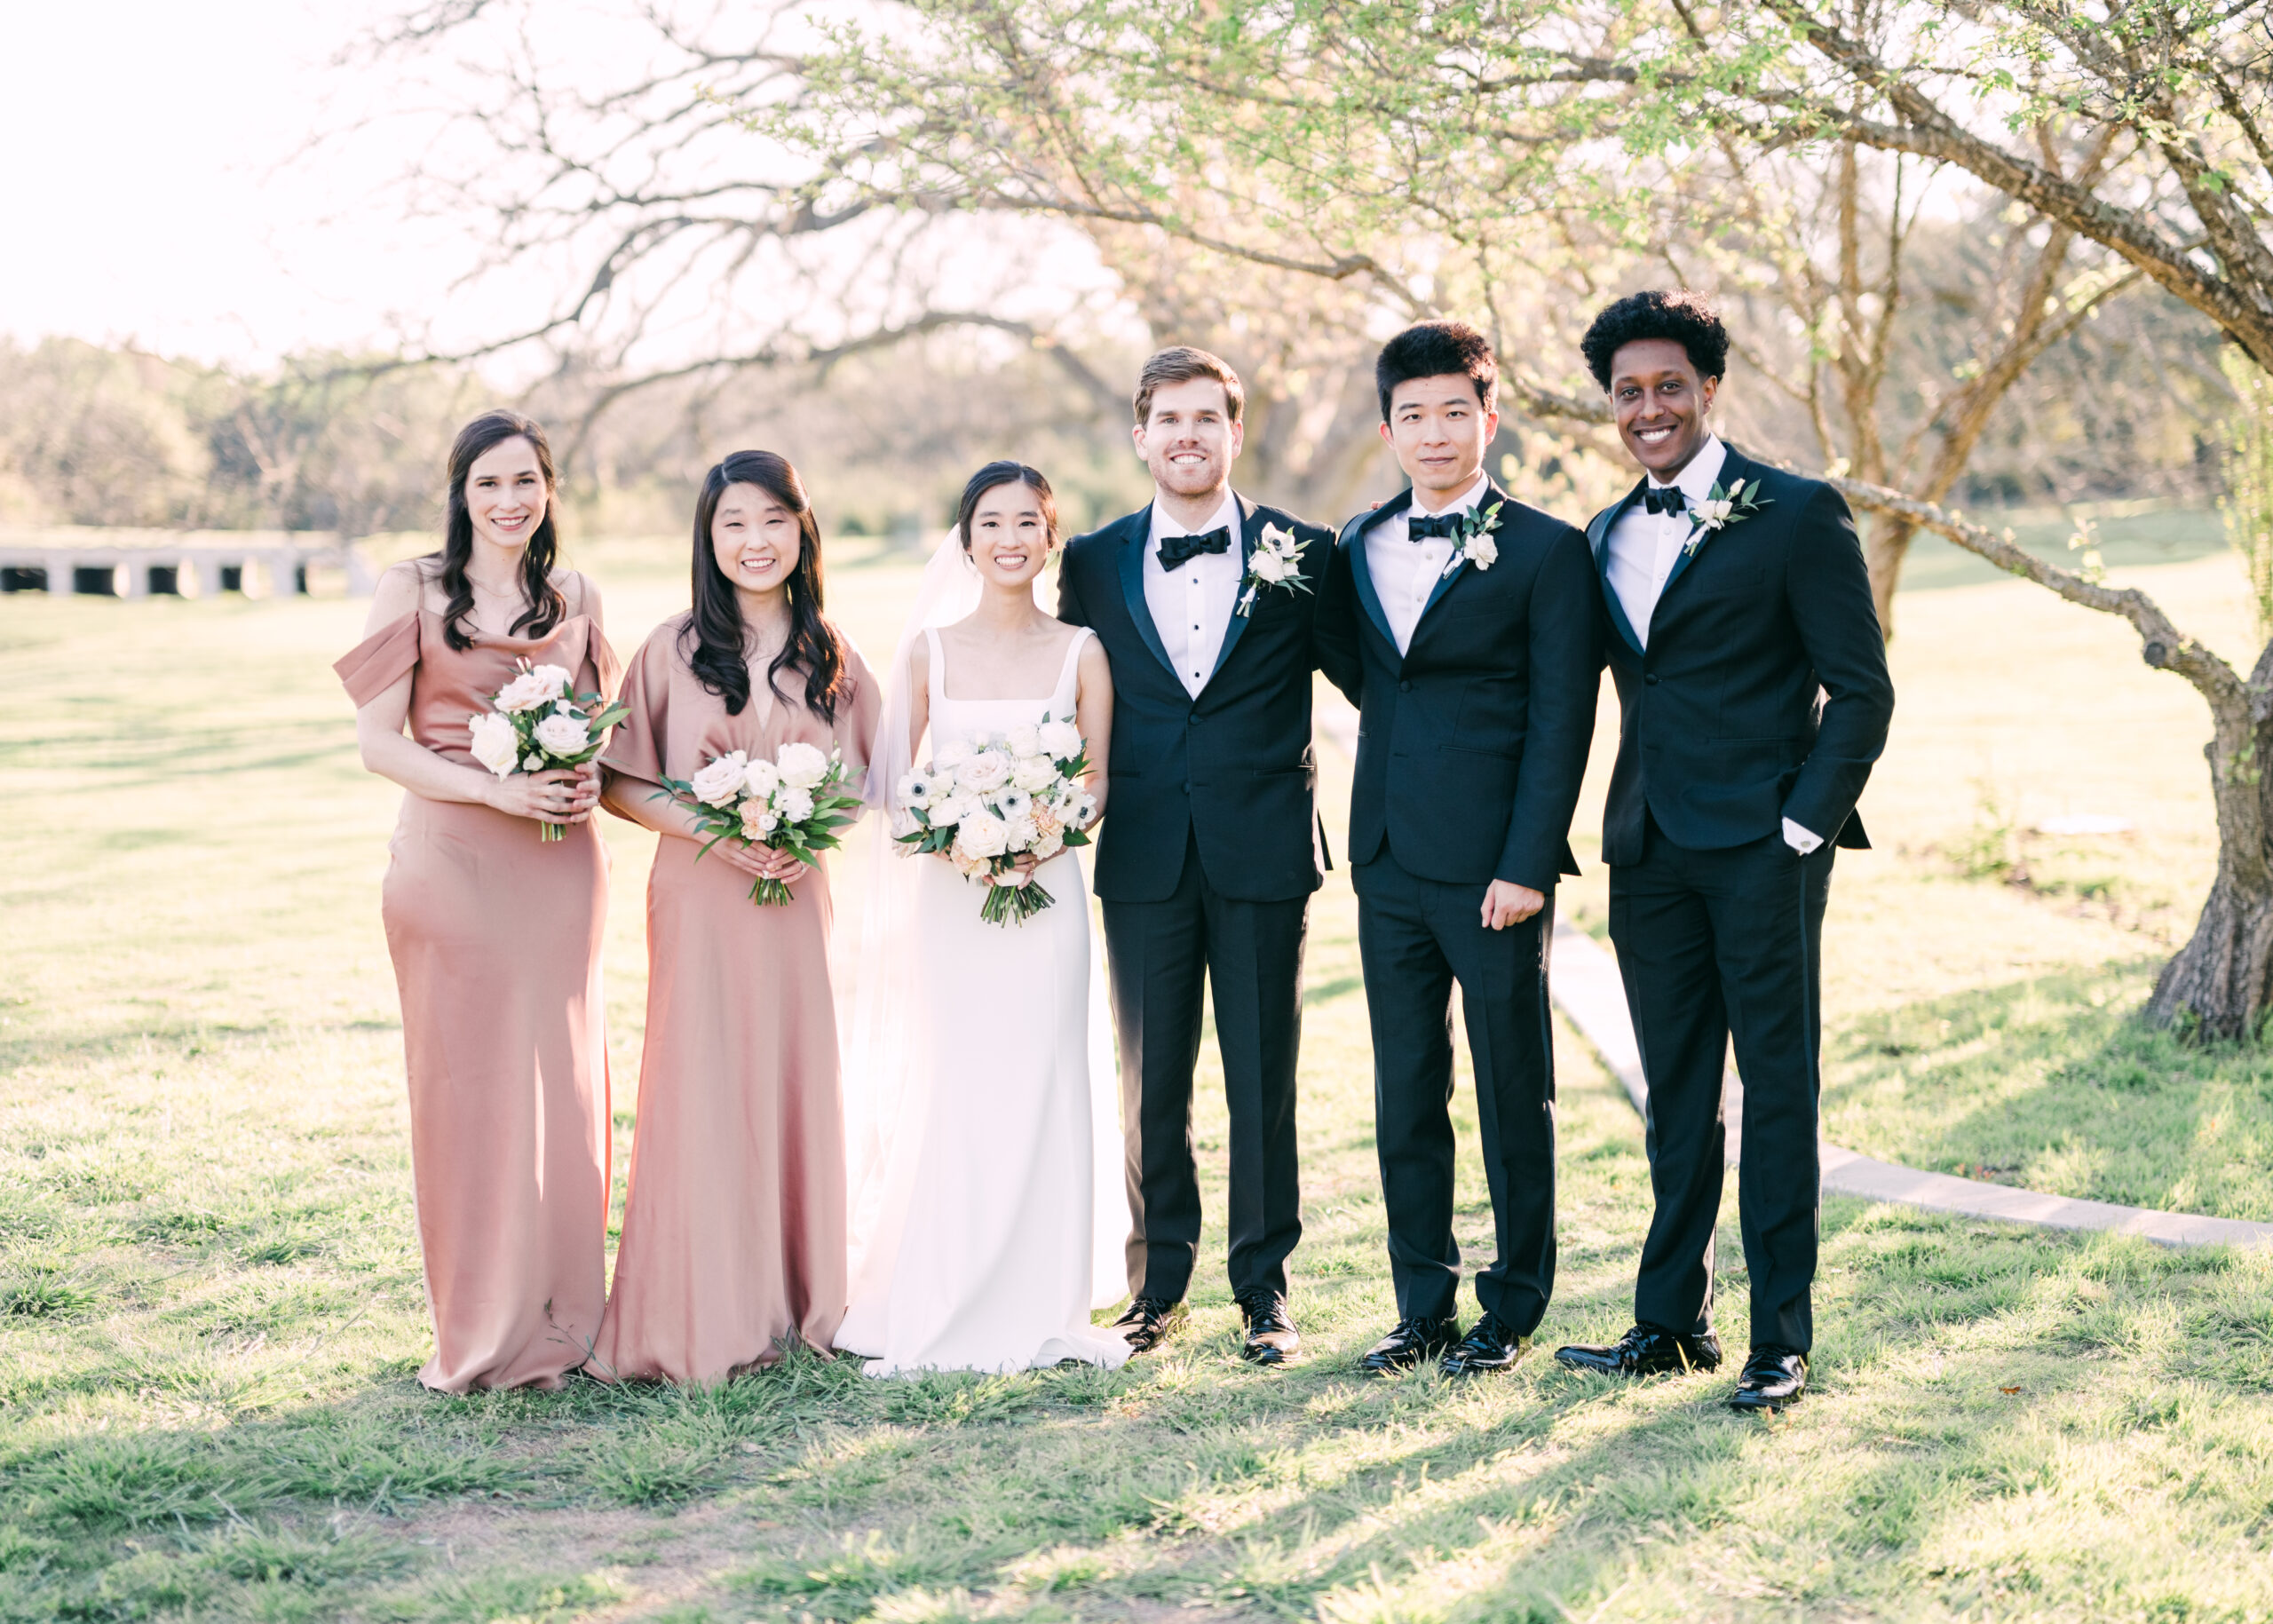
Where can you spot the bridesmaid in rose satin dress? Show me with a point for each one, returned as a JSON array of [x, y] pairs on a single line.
[[735, 1228], [495, 932]]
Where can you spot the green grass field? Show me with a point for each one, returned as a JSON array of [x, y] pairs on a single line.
[[210, 1311]]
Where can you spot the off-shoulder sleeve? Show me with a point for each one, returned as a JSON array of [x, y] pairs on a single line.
[[380, 661], [856, 724], [606, 672], [636, 748]]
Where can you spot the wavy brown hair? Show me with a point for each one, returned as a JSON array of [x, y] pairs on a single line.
[[546, 607], [714, 641]]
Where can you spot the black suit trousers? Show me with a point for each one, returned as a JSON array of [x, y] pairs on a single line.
[[1713, 945], [1416, 938], [1163, 955]]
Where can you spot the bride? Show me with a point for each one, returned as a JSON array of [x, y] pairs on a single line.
[[988, 1214]]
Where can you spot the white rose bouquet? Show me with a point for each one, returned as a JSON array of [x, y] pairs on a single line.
[[795, 803], [988, 800], [534, 723]]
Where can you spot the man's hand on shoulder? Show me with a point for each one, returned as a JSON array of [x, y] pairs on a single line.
[[1507, 903]]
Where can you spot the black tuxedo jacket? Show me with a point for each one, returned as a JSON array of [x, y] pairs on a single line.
[[1233, 767], [1722, 730], [1471, 744]]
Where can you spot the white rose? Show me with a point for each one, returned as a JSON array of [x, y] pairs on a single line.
[[531, 690], [1033, 772], [950, 755], [1269, 566], [563, 734], [1049, 844], [983, 773], [792, 804], [1023, 741], [802, 765], [1060, 741], [760, 778], [983, 836], [493, 744], [533, 763], [722, 780], [1021, 833], [1483, 553]]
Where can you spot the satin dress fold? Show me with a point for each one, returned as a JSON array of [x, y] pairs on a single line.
[[495, 938], [733, 1243]]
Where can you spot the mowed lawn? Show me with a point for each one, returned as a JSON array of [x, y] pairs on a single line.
[[210, 1311]]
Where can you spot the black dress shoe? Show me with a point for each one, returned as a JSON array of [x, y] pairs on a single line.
[[1148, 1322], [1491, 1344], [1646, 1350], [1773, 1378], [1408, 1343], [1271, 1338]]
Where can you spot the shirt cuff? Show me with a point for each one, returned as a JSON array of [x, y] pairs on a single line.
[[1802, 840]]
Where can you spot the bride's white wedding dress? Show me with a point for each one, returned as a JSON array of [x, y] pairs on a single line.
[[981, 1247]]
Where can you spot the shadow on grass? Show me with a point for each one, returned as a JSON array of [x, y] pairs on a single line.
[[1186, 1480], [2055, 1083]]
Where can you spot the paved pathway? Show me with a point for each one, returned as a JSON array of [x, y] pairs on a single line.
[[1587, 990]]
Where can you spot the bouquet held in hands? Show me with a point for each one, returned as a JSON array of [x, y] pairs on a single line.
[[534, 724], [795, 803], [987, 802]]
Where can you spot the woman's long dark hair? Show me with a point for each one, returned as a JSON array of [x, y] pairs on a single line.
[[547, 608], [715, 642]]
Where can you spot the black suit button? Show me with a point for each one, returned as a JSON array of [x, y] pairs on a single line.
[[1404, 687], [1649, 679], [1191, 721]]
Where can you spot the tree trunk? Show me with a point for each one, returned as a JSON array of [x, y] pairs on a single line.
[[1888, 545], [2221, 984]]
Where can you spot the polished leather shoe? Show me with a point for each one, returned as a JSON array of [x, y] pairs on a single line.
[[1407, 1345], [1772, 1379], [1271, 1338], [1491, 1344], [1148, 1322], [1646, 1350]]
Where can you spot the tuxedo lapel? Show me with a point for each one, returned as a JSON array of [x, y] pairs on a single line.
[[1700, 538], [1492, 494], [1135, 531], [1250, 528], [1362, 576], [1599, 540]]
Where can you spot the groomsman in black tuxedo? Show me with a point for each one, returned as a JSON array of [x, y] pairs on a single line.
[[1462, 625], [1211, 845], [1753, 697]]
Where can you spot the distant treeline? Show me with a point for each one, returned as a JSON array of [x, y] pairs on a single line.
[[2130, 406]]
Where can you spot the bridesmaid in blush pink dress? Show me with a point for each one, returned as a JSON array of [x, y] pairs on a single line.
[[735, 1228], [495, 932]]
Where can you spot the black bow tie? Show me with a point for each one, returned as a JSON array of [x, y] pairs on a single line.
[[1665, 499], [1175, 550], [1423, 526]]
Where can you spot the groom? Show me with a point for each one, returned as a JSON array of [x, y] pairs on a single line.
[[1461, 624], [1752, 697], [1211, 845]]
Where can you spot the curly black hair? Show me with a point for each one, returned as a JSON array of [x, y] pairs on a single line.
[[1438, 349], [1686, 317]]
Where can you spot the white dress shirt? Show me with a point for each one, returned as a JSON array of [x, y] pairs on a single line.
[[1192, 603], [1404, 572], [1642, 548]]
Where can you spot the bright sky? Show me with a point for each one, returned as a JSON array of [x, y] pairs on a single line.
[[158, 187]]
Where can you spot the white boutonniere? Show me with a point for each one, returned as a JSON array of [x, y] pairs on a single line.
[[1276, 562], [1474, 544], [1721, 509]]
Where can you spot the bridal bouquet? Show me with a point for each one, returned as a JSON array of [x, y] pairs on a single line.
[[794, 802], [534, 723], [987, 802]]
